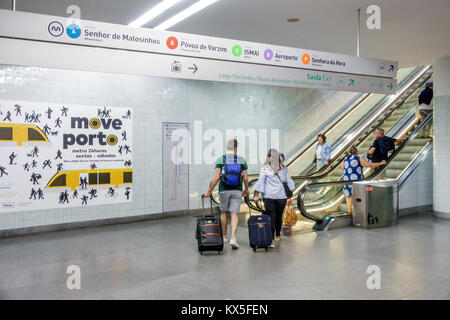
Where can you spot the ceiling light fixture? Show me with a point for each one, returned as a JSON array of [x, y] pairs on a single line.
[[293, 20], [196, 7], [153, 12]]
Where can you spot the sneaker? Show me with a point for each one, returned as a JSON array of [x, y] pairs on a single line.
[[277, 238], [234, 244], [225, 239], [272, 245]]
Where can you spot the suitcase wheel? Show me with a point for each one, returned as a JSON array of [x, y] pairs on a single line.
[[254, 249], [266, 249]]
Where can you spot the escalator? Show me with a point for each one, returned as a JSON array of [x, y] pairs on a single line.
[[323, 202], [397, 122], [350, 118], [394, 114], [354, 125], [354, 114]]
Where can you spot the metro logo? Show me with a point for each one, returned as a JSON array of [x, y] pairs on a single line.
[[306, 58], [55, 28], [172, 43]]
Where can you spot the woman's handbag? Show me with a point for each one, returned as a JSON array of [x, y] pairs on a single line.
[[286, 188], [290, 218]]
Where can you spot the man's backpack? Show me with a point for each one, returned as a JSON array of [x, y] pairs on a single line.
[[231, 172]]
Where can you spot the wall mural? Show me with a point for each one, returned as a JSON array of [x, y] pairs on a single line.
[[59, 155]]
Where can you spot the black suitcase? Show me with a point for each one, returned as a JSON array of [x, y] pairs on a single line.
[[259, 232], [209, 232]]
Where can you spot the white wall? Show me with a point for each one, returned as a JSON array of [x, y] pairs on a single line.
[[441, 201]]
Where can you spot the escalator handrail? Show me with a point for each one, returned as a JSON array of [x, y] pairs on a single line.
[[416, 74], [421, 71], [330, 128], [378, 122], [355, 102], [326, 170], [360, 122], [411, 121], [399, 99], [351, 108], [300, 199]]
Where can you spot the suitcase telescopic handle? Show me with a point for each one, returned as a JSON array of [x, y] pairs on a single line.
[[256, 206], [203, 205]]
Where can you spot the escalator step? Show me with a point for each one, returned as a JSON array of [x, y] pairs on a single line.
[[393, 173], [398, 164], [404, 156]]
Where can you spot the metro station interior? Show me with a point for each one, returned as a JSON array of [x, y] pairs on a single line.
[[111, 127]]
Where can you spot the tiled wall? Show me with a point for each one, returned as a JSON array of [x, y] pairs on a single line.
[[418, 190], [442, 154], [441, 200], [295, 112]]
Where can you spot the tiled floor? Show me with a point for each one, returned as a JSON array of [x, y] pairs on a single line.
[[158, 260]]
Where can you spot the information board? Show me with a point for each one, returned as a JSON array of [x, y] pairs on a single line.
[[175, 179]]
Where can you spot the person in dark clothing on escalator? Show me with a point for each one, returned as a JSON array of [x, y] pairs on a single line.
[[425, 101], [382, 145], [426, 107]]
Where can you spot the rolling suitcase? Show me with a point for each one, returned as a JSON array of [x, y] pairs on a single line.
[[259, 232], [209, 232]]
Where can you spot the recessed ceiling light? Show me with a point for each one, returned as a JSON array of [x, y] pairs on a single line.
[[153, 12], [293, 20], [196, 7]]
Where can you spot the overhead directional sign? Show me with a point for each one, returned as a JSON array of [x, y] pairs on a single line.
[[106, 60], [308, 65]]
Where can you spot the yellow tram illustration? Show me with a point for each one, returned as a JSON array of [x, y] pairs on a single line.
[[21, 133], [96, 177]]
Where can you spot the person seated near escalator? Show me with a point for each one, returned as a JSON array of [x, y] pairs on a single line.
[[323, 152], [270, 184], [352, 166], [425, 101]]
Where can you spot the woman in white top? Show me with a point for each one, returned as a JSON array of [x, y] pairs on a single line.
[[270, 184]]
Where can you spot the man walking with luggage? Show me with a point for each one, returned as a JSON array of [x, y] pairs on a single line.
[[231, 171]]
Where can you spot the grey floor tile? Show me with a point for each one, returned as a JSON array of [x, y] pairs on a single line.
[[159, 260], [434, 291]]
